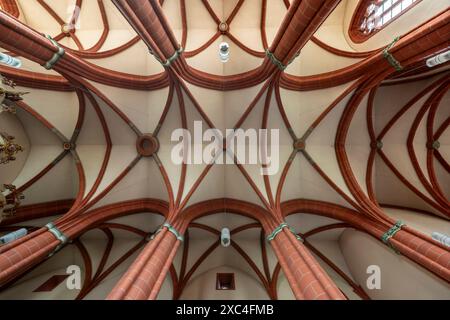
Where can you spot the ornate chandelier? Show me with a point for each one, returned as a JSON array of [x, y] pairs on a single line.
[[9, 97], [10, 202], [8, 149]]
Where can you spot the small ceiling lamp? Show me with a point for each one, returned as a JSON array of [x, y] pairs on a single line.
[[224, 52], [10, 61], [225, 237], [442, 238], [438, 59], [10, 237]]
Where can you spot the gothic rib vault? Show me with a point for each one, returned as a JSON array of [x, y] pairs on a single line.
[[362, 146]]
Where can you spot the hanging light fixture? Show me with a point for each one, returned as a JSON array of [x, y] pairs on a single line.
[[225, 237], [442, 238], [10, 61], [438, 59], [224, 52], [10, 237]]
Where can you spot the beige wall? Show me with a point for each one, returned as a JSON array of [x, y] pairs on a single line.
[[57, 265], [204, 287], [400, 278], [395, 147]]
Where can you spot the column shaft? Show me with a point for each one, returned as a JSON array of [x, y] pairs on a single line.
[[306, 277]]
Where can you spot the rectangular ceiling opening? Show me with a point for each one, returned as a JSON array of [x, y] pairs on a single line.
[[225, 281]]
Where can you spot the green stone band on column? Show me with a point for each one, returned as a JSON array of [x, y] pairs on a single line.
[[171, 229], [391, 232], [390, 58], [56, 56], [275, 61], [280, 228], [59, 235], [174, 231], [172, 59]]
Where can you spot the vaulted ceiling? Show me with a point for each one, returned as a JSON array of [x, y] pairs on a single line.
[[333, 104]]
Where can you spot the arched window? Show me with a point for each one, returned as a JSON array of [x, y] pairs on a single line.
[[373, 15], [10, 6]]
